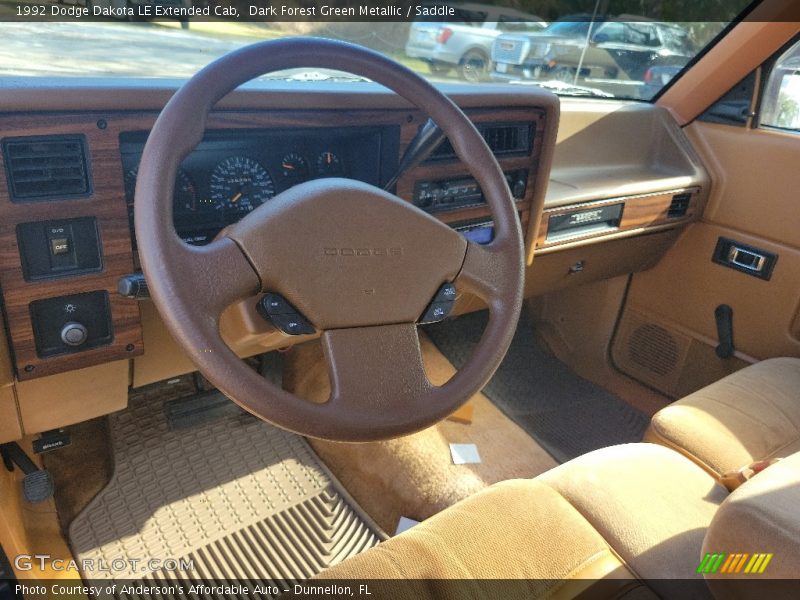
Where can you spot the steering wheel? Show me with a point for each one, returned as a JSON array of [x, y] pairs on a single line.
[[366, 303]]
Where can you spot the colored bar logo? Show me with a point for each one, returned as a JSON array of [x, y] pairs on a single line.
[[730, 564]]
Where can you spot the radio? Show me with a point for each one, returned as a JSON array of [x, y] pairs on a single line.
[[450, 194]]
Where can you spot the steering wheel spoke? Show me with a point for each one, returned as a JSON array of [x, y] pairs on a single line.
[[219, 272], [485, 273], [376, 370]]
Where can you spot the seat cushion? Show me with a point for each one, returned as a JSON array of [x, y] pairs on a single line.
[[652, 505], [753, 414], [637, 509], [515, 530]]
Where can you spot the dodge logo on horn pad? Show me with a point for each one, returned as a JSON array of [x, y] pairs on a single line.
[[363, 251]]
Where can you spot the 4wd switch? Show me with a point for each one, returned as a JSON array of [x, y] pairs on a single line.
[[275, 309], [59, 246], [50, 249]]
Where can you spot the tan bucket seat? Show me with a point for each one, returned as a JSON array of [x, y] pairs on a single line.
[[751, 415], [630, 521]]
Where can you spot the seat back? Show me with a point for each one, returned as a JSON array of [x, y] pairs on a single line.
[[755, 535]]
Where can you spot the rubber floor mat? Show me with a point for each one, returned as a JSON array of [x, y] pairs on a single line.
[[233, 498], [566, 414]]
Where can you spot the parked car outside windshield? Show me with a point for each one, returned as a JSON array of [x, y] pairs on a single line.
[[620, 57], [463, 42]]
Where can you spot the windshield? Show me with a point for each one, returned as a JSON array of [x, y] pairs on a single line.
[[568, 28], [584, 51]]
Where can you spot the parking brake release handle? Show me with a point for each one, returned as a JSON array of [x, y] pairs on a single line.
[[723, 314]]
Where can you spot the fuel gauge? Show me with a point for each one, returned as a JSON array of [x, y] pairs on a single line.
[[294, 167]]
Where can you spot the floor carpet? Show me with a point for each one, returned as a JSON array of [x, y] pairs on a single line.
[[414, 475], [566, 414]]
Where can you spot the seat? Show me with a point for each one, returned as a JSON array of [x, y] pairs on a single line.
[[759, 523], [751, 415], [610, 518]]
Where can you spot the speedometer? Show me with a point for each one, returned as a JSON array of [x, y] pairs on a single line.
[[240, 184]]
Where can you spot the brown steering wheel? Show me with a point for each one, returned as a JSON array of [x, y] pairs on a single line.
[[365, 306]]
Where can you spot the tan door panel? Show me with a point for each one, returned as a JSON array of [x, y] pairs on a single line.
[[756, 179], [753, 201]]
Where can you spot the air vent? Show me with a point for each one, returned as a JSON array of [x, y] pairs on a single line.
[[679, 206], [503, 139], [38, 168]]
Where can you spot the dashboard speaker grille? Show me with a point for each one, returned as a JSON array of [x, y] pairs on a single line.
[[46, 167]]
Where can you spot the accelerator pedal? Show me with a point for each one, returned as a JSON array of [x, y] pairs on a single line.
[[185, 413]]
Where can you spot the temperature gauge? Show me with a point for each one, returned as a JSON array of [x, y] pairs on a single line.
[[328, 164]]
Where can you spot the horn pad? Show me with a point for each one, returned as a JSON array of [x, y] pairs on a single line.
[[348, 254]]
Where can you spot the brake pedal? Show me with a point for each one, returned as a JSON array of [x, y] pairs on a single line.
[[38, 484]]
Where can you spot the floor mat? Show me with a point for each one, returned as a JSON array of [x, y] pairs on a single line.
[[237, 498], [566, 414]]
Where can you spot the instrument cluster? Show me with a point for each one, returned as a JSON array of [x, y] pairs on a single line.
[[232, 172]]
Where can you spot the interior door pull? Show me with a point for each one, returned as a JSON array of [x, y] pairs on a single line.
[[747, 259], [743, 258], [723, 315]]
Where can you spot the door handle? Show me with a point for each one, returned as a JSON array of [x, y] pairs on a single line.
[[746, 259]]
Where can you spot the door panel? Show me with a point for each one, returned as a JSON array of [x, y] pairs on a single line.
[[754, 200]]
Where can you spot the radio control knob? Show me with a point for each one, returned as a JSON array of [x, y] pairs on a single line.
[[74, 334]]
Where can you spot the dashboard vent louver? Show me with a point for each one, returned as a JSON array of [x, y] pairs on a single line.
[[46, 167], [679, 206], [503, 139]]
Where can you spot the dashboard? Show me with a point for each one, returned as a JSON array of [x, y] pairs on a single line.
[[66, 212], [67, 190], [67, 198], [231, 173]]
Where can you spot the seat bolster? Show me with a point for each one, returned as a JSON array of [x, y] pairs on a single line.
[[649, 503], [750, 415]]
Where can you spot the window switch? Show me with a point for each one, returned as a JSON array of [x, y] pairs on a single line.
[[59, 246]]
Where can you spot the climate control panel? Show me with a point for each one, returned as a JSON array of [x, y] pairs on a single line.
[[463, 192]]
